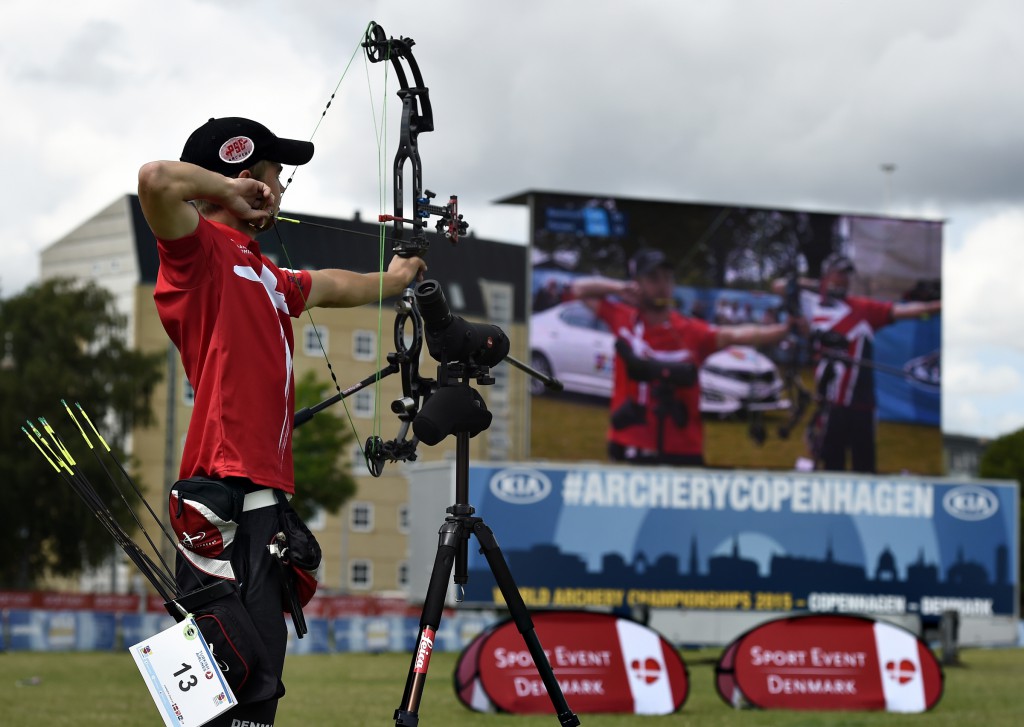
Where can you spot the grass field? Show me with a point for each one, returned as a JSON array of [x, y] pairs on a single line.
[[363, 689], [573, 428]]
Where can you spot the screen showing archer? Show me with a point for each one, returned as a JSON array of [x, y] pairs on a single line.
[[709, 335]]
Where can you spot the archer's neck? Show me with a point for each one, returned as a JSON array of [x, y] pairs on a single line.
[[654, 316], [229, 220]]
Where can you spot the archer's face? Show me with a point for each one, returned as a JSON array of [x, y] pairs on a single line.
[[836, 285], [656, 289], [271, 176]]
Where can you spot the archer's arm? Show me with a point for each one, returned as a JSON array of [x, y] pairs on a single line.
[[915, 309], [751, 334], [592, 290], [335, 288], [165, 189]]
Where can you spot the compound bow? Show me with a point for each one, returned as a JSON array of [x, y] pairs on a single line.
[[417, 117]]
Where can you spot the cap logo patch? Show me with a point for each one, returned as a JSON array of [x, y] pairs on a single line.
[[237, 149]]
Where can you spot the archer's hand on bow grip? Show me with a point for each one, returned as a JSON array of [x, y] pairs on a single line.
[[408, 269]]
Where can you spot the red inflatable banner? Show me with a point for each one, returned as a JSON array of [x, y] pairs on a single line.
[[833, 662], [603, 663]]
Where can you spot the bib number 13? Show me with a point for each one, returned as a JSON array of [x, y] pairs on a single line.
[[192, 680]]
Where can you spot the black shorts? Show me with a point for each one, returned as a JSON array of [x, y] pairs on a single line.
[[245, 559]]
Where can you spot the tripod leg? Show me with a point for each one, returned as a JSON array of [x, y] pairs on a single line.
[[521, 616], [452, 536]]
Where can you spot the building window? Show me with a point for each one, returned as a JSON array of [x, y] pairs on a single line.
[[362, 403], [403, 518], [317, 521], [188, 394], [364, 345], [456, 298], [360, 574], [402, 581], [498, 299], [358, 463], [361, 517], [313, 337]]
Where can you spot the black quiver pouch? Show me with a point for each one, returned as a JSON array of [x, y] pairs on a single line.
[[233, 639], [298, 554], [205, 514]]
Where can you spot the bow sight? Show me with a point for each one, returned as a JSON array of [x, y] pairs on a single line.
[[417, 116]]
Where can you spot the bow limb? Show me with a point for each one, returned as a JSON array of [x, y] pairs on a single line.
[[417, 117]]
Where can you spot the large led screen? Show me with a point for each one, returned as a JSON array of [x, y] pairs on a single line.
[[854, 383]]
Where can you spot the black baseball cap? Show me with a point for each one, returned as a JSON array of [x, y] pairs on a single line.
[[646, 261], [837, 263], [229, 145]]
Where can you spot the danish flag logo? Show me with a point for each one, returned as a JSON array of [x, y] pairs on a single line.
[[901, 672], [648, 671]]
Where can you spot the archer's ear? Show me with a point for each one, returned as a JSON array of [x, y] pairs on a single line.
[[244, 174]]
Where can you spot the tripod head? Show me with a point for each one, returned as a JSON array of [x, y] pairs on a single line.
[[463, 351], [451, 410]]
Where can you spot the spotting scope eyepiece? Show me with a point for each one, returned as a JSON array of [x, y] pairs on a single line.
[[450, 338]]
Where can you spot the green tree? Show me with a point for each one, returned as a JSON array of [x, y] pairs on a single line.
[[1003, 459], [63, 340], [320, 448]]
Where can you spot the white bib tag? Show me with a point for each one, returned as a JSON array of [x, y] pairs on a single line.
[[182, 676]]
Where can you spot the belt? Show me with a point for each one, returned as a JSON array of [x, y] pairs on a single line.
[[263, 497]]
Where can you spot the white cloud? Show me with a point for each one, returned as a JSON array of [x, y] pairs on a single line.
[[970, 377], [981, 284]]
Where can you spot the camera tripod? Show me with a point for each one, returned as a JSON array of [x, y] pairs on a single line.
[[452, 549]]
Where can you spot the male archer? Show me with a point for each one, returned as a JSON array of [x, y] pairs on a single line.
[[227, 308], [655, 396], [843, 327]]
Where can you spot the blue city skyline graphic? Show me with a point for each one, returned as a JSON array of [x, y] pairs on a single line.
[[552, 545]]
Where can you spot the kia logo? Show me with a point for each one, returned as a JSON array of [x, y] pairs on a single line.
[[970, 503], [520, 486]]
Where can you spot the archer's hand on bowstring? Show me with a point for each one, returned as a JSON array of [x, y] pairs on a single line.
[[251, 201], [167, 189]]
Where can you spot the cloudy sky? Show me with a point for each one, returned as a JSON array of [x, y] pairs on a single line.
[[778, 103]]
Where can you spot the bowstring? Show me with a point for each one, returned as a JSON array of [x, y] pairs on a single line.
[[380, 137], [382, 177]]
